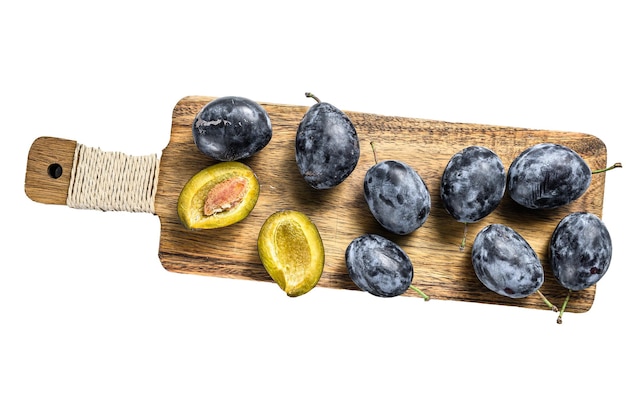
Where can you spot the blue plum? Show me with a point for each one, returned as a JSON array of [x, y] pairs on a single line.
[[580, 250], [548, 175], [327, 146], [472, 184], [505, 263], [378, 265], [231, 128], [396, 196]]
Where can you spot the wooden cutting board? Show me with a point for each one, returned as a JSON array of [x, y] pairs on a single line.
[[441, 270]]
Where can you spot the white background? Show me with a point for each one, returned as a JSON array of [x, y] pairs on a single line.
[[92, 325]]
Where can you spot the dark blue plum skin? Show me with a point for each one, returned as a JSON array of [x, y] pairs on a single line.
[[396, 196], [472, 184], [505, 263], [580, 251], [231, 128], [548, 175], [379, 266], [327, 146]]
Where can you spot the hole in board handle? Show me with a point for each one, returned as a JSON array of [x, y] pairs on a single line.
[[55, 170]]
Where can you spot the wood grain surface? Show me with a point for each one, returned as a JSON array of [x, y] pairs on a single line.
[[341, 214], [45, 152]]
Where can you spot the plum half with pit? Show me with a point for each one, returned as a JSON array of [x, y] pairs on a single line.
[[217, 196], [231, 128]]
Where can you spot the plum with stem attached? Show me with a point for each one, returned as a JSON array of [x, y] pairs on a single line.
[[379, 266], [472, 185], [396, 195], [327, 146], [549, 175], [580, 252], [506, 264]]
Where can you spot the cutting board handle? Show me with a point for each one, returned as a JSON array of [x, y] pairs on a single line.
[[61, 171]]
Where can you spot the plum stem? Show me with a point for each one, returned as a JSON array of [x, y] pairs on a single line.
[[548, 303], [374, 150], [462, 246], [560, 318], [615, 165], [313, 96], [420, 292]]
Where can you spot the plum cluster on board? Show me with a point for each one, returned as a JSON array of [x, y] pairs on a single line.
[[327, 150]]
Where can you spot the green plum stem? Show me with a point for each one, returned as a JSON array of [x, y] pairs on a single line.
[[462, 246], [313, 96], [615, 165], [548, 303], [560, 318], [420, 292], [374, 150]]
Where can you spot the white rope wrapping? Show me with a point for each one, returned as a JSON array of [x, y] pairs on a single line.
[[112, 181]]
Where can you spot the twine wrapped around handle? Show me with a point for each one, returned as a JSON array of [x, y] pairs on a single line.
[[112, 181]]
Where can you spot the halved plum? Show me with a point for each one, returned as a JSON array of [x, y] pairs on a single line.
[[292, 251], [218, 196]]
